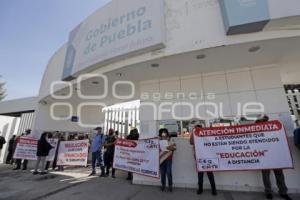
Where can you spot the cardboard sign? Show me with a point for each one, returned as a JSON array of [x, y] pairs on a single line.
[[246, 147], [140, 157], [73, 153]]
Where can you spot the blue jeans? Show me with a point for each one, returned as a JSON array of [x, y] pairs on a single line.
[[166, 171], [97, 156]]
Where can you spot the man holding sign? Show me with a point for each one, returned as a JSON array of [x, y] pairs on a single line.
[[96, 148], [210, 175]]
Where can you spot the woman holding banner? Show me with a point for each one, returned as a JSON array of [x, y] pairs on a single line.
[[43, 150], [201, 174], [167, 148], [133, 135]]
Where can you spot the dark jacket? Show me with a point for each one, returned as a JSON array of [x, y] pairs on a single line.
[[111, 148], [2, 142], [11, 145], [43, 148], [297, 138]]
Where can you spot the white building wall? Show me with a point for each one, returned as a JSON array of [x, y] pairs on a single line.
[[190, 25], [259, 84], [8, 128], [53, 72], [45, 122]]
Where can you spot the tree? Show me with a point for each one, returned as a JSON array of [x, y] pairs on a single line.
[[2, 90]]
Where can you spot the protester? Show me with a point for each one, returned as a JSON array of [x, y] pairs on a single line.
[[2, 142], [54, 163], [9, 158], [86, 137], [297, 137], [96, 148], [117, 134], [61, 138], [133, 135], [109, 153], [50, 136], [43, 150], [210, 175], [19, 161], [167, 147], [280, 180]]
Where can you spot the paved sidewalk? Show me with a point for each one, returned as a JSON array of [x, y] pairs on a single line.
[[74, 184]]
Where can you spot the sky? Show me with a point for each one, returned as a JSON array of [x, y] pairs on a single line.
[[30, 33]]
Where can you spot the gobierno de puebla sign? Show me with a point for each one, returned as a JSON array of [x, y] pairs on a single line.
[[246, 147], [120, 29]]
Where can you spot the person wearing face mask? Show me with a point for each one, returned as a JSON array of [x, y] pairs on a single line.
[[133, 135], [201, 174], [109, 153], [167, 148], [43, 150], [96, 148], [50, 136], [19, 161]]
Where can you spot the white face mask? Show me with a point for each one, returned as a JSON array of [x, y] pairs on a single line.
[[164, 136]]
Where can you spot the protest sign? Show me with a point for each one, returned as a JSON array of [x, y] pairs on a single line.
[[26, 148], [140, 157], [246, 147], [73, 153]]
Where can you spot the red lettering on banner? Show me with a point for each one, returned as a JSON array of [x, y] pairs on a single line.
[[76, 145], [126, 143], [249, 154], [28, 141], [243, 129], [75, 155]]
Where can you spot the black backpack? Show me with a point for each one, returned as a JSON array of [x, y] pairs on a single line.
[[297, 138]]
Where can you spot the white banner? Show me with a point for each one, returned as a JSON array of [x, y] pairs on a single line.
[[26, 148], [53, 142], [73, 153], [140, 157], [246, 147]]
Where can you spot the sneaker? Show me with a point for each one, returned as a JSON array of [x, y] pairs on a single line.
[[17, 168], [285, 196], [35, 173], [113, 176], [103, 175], [200, 191], [269, 196], [214, 192], [92, 174], [162, 188], [24, 169], [170, 189]]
